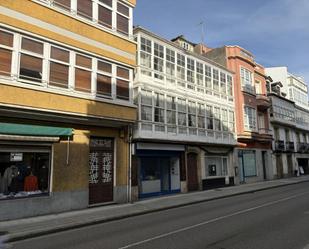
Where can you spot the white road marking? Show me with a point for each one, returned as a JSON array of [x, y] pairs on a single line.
[[212, 221]]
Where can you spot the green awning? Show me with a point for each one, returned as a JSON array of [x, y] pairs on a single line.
[[34, 130]]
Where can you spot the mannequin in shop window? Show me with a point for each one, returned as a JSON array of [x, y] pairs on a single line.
[[9, 174], [31, 183]]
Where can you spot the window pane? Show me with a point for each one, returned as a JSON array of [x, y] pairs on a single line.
[[33, 46], [59, 75], [83, 61], [122, 89], [105, 17], [122, 24], [30, 67], [65, 4], [6, 39], [107, 2], [84, 8], [123, 9], [105, 67], [123, 73], [82, 80], [5, 61], [59, 54], [104, 85]]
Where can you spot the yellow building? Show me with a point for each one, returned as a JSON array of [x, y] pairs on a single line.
[[66, 107]]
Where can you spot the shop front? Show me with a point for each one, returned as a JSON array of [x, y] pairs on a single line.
[[158, 172]]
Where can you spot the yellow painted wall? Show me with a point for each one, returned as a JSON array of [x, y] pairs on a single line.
[[58, 19], [44, 100], [74, 176]]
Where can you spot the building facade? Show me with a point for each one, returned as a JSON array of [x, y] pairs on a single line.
[[252, 112], [66, 104], [184, 137], [289, 121]]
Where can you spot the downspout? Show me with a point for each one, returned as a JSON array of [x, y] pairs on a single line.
[[130, 165]]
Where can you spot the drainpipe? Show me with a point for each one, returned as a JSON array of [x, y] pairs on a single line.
[[130, 165]]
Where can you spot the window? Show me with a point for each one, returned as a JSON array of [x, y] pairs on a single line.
[[215, 80], [104, 78], [182, 112], [192, 114], [145, 56], [217, 118], [201, 116], [123, 84], [105, 14], [158, 61], [223, 83], [229, 86], [25, 171], [231, 121], [84, 8], [6, 44], [122, 18], [249, 163], [216, 166], [209, 114], [199, 74], [170, 65], [181, 63], [225, 126], [258, 86], [249, 118], [64, 4], [208, 82], [246, 80], [159, 108], [190, 70], [59, 67], [83, 73], [146, 105], [31, 59], [171, 110]]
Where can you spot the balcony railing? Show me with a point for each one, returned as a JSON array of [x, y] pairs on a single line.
[[289, 146], [279, 145], [249, 89]]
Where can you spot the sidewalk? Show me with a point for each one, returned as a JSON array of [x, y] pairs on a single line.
[[36, 226]]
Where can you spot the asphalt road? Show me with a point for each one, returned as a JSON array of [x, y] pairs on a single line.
[[271, 219]]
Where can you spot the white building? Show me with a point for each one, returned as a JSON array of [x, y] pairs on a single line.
[[184, 137]]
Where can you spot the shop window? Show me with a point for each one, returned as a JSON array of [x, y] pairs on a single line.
[[24, 174], [249, 163], [84, 8], [216, 166], [122, 83]]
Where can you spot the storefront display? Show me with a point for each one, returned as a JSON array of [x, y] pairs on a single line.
[[24, 172]]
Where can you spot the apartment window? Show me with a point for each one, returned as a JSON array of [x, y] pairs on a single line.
[[249, 118], [84, 8], [229, 85], [6, 44], [170, 65], [145, 56], [59, 67], [246, 80], [215, 80], [105, 13], [209, 115], [64, 4], [192, 114], [190, 70], [231, 121], [223, 83], [182, 112], [122, 18], [181, 63], [158, 61], [83, 73], [104, 78], [31, 60], [225, 126], [123, 83], [201, 116], [217, 119], [159, 108], [258, 87], [170, 110], [146, 105], [199, 74]]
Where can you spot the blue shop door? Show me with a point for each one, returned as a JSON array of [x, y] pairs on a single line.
[[165, 175]]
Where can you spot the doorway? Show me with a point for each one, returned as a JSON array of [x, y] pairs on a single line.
[[192, 171]]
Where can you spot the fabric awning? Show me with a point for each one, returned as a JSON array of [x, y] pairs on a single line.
[[34, 130]]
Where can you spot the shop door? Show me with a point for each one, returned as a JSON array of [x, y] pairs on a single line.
[[192, 172], [101, 170]]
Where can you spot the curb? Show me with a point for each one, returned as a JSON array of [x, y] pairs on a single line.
[[33, 234]]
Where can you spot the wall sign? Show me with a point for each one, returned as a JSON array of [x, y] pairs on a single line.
[[16, 157]]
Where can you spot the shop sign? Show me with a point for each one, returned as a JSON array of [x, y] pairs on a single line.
[[16, 157]]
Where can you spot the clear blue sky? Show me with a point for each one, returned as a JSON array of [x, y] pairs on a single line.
[[275, 31]]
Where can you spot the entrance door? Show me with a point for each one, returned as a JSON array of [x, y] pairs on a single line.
[[192, 171], [264, 164], [279, 166], [290, 165], [101, 170]]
